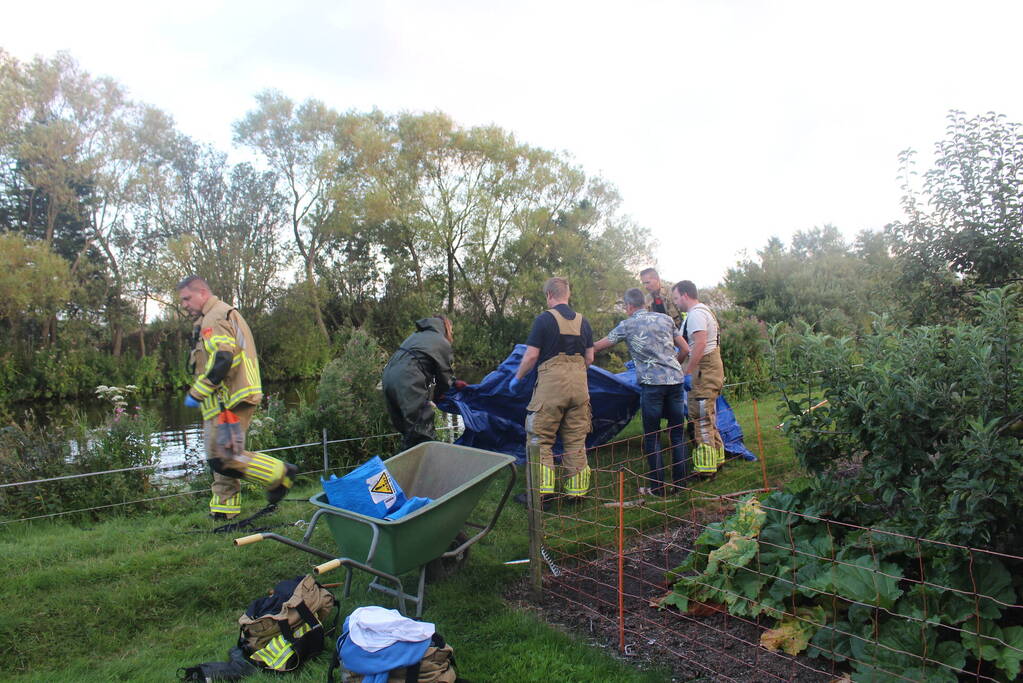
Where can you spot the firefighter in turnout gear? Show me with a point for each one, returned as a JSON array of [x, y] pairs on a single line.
[[227, 391], [561, 341], [704, 377]]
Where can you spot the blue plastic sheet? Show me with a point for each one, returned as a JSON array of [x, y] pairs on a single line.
[[494, 415], [369, 489]]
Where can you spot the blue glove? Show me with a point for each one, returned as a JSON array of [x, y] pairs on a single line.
[[190, 402], [515, 381], [687, 383]]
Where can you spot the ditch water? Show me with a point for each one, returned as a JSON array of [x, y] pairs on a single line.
[[180, 437]]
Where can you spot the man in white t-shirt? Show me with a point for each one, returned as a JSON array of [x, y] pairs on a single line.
[[704, 377]]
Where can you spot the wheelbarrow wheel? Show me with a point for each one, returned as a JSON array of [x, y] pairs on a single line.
[[441, 568]]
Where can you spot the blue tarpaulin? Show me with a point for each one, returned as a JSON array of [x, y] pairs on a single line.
[[494, 415]]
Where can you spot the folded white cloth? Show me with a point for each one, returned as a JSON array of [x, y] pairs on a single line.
[[374, 628]]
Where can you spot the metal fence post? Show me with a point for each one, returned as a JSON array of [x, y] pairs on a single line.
[[533, 511], [326, 460]]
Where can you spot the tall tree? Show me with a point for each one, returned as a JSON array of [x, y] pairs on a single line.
[[78, 148], [964, 222], [301, 145], [228, 224]]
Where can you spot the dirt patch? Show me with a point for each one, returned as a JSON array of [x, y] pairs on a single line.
[[702, 645]]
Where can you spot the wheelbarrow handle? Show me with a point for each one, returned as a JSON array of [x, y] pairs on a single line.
[[245, 540], [326, 567]]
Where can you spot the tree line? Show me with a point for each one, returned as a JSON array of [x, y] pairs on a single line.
[[341, 220], [347, 220]]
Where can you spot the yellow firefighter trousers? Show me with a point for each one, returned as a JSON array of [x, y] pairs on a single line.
[[560, 403], [257, 468], [707, 382]]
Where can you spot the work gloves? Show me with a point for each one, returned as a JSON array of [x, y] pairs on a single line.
[[687, 383], [515, 381], [190, 401]]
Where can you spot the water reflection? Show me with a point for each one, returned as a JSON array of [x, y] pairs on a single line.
[[180, 441]]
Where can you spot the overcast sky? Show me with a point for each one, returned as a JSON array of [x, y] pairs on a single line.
[[722, 123]]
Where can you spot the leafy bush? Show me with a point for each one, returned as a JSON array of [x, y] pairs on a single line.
[[348, 405], [913, 432], [742, 353], [28, 452], [887, 605], [916, 432]]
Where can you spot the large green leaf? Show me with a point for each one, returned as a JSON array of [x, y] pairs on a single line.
[[982, 589], [863, 580], [903, 649], [1003, 647], [737, 552]]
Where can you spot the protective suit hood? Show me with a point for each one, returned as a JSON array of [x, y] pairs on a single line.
[[430, 324]]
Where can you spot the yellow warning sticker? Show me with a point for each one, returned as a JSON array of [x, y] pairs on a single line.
[[383, 485]]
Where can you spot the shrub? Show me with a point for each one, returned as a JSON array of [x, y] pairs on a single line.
[[916, 431], [892, 607], [28, 452], [349, 405], [913, 431], [742, 354]]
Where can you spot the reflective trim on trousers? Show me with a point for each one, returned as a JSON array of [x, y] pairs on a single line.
[[579, 483], [546, 480], [703, 422], [263, 470], [705, 459], [231, 506]]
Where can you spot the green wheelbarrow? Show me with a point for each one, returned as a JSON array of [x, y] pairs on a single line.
[[453, 477]]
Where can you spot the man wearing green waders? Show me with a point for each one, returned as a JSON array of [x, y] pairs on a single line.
[[418, 373], [227, 390]]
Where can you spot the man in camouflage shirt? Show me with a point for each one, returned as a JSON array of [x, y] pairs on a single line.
[[658, 295], [652, 338]]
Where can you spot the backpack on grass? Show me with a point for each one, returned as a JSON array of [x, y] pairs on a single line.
[[284, 629]]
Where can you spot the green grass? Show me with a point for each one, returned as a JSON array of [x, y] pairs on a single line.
[[134, 598]]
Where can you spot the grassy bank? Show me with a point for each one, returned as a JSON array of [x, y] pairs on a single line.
[[134, 598]]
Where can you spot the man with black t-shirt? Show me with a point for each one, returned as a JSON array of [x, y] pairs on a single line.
[[561, 342]]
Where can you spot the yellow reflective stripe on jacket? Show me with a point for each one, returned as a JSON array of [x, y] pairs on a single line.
[[244, 392], [213, 343], [278, 651]]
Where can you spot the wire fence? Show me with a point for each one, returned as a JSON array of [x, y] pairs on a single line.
[[726, 587], [191, 476]]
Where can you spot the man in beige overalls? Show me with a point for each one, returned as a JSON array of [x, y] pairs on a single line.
[[227, 388], [562, 342], [704, 377]]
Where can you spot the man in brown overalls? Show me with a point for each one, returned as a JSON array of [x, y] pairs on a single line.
[[562, 342], [704, 377]]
